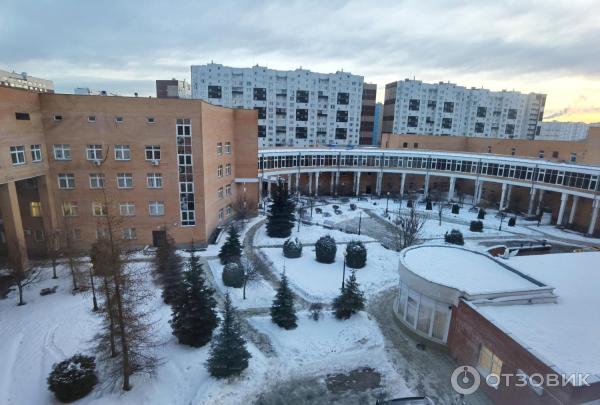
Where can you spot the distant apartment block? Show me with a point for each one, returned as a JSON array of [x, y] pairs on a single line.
[[367, 114], [378, 124], [25, 81], [295, 108], [446, 109], [173, 89], [563, 131]]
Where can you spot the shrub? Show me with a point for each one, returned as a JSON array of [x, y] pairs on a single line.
[[73, 378], [325, 249], [455, 209], [481, 214], [233, 275], [428, 205], [315, 311], [512, 221], [353, 207], [356, 255], [476, 226], [409, 204], [292, 248], [335, 207], [454, 237]]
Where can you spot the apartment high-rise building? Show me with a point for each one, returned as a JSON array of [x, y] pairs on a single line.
[[378, 124], [367, 114], [173, 89], [295, 108], [414, 107], [563, 131], [25, 81]]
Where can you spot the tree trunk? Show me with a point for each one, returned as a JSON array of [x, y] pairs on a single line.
[[123, 339], [54, 268], [72, 267], [113, 350], [244, 290], [20, 288], [95, 302]]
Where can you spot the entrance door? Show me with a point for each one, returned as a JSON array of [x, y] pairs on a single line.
[[159, 238]]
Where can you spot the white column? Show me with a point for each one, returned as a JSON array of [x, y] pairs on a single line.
[[531, 201], [317, 185], [538, 210], [337, 182], [595, 207], [379, 181], [331, 184], [260, 189], [357, 176], [310, 180], [269, 186], [573, 209], [298, 183], [402, 178], [479, 192], [507, 200], [451, 188], [289, 182], [564, 197], [426, 185], [503, 196]]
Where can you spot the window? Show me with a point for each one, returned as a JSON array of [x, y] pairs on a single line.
[[416, 145], [152, 152], [99, 209], [154, 180], [124, 180], [573, 157], [262, 131], [62, 151], [301, 132], [447, 123], [341, 116], [214, 92], [481, 112], [228, 210], [220, 171], [220, 193], [541, 154], [512, 114], [58, 117], [448, 107], [119, 120], [38, 235], [150, 120], [510, 129], [66, 181], [22, 116], [343, 98], [96, 180], [341, 133], [122, 152], [414, 104], [228, 148], [262, 112], [259, 93], [479, 127], [301, 96], [489, 149], [301, 114], [555, 154], [91, 118], [17, 155], [412, 121], [126, 209], [129, 233], [489, 363], [70, 209], [74, 233], [228, 169], [101, 233], [35, 208], [36, 153], [228, 190], [94, 152], [156, 208], [221, 214], [405, 145], [219, 149], [513, 151]]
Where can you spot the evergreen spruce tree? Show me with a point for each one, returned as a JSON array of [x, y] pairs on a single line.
[[231, 251], [350, 300], [194, 317], [282, 310], [168, 268], [228, 353], [281, 213]]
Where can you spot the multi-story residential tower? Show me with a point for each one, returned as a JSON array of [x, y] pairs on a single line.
[[25, 81], [367, 114], [563, 131], [173, 89], [414, 107], [295, 108]]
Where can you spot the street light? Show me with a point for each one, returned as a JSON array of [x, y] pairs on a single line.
[[387, 202], [344, 272], [501, 219], [359, 221]]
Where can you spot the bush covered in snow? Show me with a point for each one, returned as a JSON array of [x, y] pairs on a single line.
[[481, 214], [233, 275], [325, 249], [454, 237], [476, 226], [356, 255], [315, 311], [512, 221], [353, 207], [455, 209], [292, 248], [409, 204], [73, 378]]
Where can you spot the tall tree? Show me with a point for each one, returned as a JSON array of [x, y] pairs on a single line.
[[408, 228], [102, 264], [350, 300], [168, 267], [282, 310], [281, 213], [228, 353], [231, 251], [194, 317]]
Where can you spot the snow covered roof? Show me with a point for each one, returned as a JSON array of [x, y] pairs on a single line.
[[564, 334]]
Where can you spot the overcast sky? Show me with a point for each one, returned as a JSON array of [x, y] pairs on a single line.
[[123, 46]]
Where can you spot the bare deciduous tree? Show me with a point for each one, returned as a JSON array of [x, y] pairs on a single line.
[[22, 275], [243, 208], [408, 228], [251, 274]]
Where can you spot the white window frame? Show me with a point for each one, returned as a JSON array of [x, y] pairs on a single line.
[[124, 180], [62, 151], [228, 169], [228, 211], [227, 190], [219, 148], [70, 209], [17, 155], [36, 153], [119, 120], [156, 208], [228, 148], [96, 181], [99, 209], [220, 171], [68, 179], [220, 193], [154, 180], [91, 118], [126, 209], [221, 214], [122, 152], [93, 152], [154, 151], [129, 233]]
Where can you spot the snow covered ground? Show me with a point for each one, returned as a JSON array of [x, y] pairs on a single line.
[[307, 234]]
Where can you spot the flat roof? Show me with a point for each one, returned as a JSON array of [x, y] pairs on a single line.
[[564, 334], [465, 270]]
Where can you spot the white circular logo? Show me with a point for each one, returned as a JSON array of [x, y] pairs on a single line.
[[465, 380]]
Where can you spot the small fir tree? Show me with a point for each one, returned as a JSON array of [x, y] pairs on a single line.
[[356, 255], [73, 378], [168, 266], [455, 209], [233, 275], [476, 226], [325, 249], [194, 317], [292, 248], [231, 251], [228, 353], [512, 221], [280, 221], [454, 237], [351, 299], [282, 310], [481, 214]]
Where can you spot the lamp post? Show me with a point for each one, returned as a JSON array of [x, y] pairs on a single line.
[[501, 219], [344, 272], [387, 202], [359, 222]]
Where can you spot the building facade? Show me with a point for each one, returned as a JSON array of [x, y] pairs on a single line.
[[378, 124], [295, 108], [563, 131], [446, 109], [26, 82], [173, 89], [158, 165], [367, 114]]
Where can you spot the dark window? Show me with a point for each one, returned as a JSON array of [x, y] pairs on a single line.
[[489, 149], [343, 98], [513, 151], [22, 116], [341, 116], [214, 92], [301, 114], [367, 110], [431, 104], [262, 131], [555, 154], [301, 96], [448, 107], [301, 132], [481, 112], [538, 129], [510, 129], [405, 145], [446, 123], [479, 127], [414, 104], [429, 120], [262, 112], [416, 145], [281, 111], [512, 113], [413, 121], [260, 93], [340, 133]]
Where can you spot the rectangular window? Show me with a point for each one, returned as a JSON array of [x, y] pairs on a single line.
[[220, 193], [488, 363], [414, 104], [343, 98], [412, 121], [94, 152], [448, 107], [228, 211], [22, 116], [341, 116], [152, 152], [228, 190], [127, 209], [510, 129], [411, 310], [262, 112], [150, 120], [219, 148], [70, 209], [119, 120], [38, 235], [481, 112], [129, 233], [58, 117], [96, 180], [341, 133], [154, 180], [124, 180], [99, 209], [221, 214], [62, 151], [573, 158], [259, 93], [301, 132], [101, 233], [36, 153], [35, 208], [75, 233], [122, 152], [262, 131], [479, 127], [541, 154], [66, 181], [228, 169], [447, 123], [301, 96], [156, 208], [301, 114], [17, 155], [555, 154], [513, 151], [228, 148], [512, 114], [220, 171], [214, 92]]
